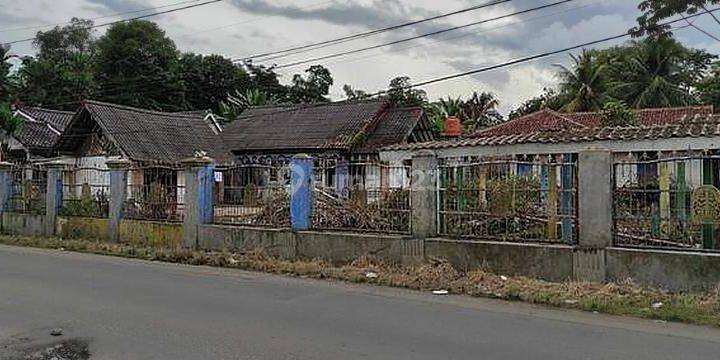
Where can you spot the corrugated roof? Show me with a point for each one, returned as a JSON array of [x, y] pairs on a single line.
[[146, 135], [325, 126]]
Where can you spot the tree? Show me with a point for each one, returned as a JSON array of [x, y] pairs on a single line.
[[5, 66], [618, 113], [138, 65], [62, 72], [265, 79], [583, 83], [548, 99], [208, 80], [401, 93], [480, 111], [238, 102], [442, 109], [312, 89], [653, 73], [354, 94], [655, 11], [9, 126]]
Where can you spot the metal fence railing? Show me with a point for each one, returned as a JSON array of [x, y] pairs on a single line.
[[28, 190], [362, 197], [86, 192], [669, 203], [256, 195], [155, 193], [531, 200]]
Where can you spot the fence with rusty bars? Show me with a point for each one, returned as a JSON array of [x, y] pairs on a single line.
[[362, 197], [670, 202], [155, 193], [255, 195], [509, 200], [28, 190], [85, 192]]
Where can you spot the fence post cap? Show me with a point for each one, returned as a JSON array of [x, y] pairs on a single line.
[[55, 164], [4, 165], [301, 157], [595, 148], [118, 164], [424, 154], [196, 161]]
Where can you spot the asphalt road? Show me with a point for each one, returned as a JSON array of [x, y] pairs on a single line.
[[129, 309]]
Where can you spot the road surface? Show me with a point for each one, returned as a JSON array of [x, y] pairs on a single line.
[[131, 309]]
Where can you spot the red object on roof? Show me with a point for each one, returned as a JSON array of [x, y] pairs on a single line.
[[550, 120], [453, 127]]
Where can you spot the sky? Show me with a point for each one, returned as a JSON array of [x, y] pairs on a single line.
[[241, 28]]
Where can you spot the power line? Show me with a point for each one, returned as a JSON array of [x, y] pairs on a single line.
[[322, 44], [344, 53], [100, 17], [130, 19]]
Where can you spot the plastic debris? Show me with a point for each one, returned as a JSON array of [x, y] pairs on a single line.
[[440, 292], [371, 275], [503, 278], [56, 332], [657, 305], [571, 302]]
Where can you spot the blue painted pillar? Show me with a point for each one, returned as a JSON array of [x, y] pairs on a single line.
[[544, 183], [342, 183], [568, 178], [5, 184], [199, 180], [301, 192], [53, 199]]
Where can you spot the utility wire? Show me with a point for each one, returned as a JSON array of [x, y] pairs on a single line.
[[100, 17], [130, 19], [322, 44], [344, 53]]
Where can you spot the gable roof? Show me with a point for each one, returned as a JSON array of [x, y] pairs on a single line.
[[550, 120], [41, 127], [365, 125], [146, 135]]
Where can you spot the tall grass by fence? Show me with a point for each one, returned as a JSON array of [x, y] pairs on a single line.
[[255, 195], [155, 193], [86, 192], [28, 189], [671, 202], [362, 197], [509, 200]]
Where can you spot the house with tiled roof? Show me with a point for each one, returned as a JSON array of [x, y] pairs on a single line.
[[39, 132]]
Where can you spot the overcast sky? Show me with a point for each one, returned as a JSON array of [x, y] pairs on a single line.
[[237, 28]]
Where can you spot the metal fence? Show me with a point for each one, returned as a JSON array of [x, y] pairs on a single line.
[[28, 190], [362, 197], [155, 193], [86, 192], [534, 199], [256, 195], [670, 203]]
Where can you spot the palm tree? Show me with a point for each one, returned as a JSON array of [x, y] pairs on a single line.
[[480, 111], [442, 109], [238, 102], [5, 66], [651, 75], [583, 83]]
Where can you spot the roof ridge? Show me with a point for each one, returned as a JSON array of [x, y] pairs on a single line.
[[136, 109], [64, 112]]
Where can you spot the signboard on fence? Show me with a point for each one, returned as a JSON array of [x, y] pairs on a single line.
[[706, 204]]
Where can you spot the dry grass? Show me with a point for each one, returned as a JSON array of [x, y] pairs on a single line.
[[624, 298]]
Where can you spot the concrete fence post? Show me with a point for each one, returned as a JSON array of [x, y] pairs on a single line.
[[199, 180], [423, 195], [595, 208], [118, 194], [301, 192], [5, 184], [53, 199]]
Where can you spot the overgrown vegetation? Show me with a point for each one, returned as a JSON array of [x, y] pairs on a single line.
[[623, 298]]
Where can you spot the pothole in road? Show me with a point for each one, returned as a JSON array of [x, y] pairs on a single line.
[[73, 349]]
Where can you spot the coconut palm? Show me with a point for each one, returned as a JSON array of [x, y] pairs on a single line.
[[9, 126], [5, 66], [442, 109], [583, 83], [238, 102], [651, 75], [480, 111]]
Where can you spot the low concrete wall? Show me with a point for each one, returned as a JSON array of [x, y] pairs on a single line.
[[73, 227], [345, 247], [23, 224], [549, 262], [673, 270], [278, 242], [151, 233]]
